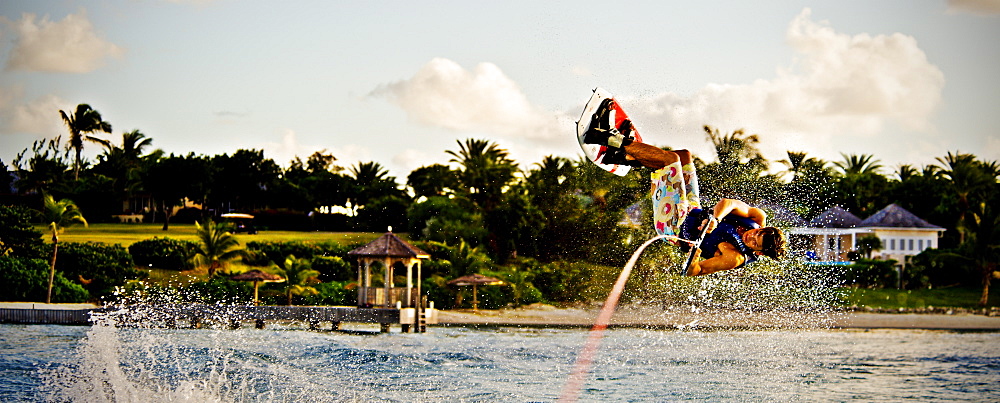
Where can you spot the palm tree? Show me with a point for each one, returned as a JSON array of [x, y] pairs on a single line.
[[216, 246], [124, 164], [984, 234], [858, 164], [59, 214], [372, 180], [906, 172], [299, 275], [733, 149], [968, 177], [800, 166], [486, 170], [84, 120]]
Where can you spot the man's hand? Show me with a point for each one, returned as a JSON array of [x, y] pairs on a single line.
[[694, 269], [709, 224]]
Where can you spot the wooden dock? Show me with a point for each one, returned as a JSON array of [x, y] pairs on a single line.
[[40, 313], [232, 316]]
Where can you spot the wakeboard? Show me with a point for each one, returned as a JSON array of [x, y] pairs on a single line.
[[596, 152]]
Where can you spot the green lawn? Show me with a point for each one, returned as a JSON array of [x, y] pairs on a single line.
[[127, 234], [952, 297]]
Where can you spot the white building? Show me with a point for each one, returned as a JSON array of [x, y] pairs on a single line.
[[902, 233], [835, 232]]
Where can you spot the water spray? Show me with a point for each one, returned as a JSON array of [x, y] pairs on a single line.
[[586, 357]]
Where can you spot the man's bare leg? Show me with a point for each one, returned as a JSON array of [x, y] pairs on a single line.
[[654, 157], [650, 156]]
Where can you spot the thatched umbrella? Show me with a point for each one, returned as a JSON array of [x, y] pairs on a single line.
[[257, 277], [475, 280]]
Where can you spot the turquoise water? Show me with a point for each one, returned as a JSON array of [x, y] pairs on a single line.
[[63, 363]]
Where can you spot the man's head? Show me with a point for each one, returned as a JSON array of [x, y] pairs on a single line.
[[769, 241]]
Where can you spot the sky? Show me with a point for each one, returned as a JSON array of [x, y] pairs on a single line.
[[401, 82]]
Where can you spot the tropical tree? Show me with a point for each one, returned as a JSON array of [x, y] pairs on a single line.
[[216, 245], [174, 178], [6, 179], [485, 171], [968, 178], [133, 145], [17, 236], [858, 164], [431, 180], [242, 181], [810, 189], [372, 181], [45, 170], [124, 165], [300, 277], [59, 214], [84, 120], [984, 237], [923, 192], [739, 171], [868, 244], [860, 184]]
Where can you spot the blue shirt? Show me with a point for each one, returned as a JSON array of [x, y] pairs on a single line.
[[728, 231]]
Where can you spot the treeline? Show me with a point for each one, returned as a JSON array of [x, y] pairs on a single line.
[[559, 209]]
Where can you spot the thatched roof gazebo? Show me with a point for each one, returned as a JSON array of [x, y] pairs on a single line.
[[257, 277], [475, 280], [390, 251]]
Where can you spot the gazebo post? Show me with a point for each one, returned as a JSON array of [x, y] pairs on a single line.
[[387, 282], [256, 286], [409, 284], [475, 297]]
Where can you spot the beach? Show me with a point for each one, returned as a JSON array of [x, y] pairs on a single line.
[[688, 317]]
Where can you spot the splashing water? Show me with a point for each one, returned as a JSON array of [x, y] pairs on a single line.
[[755, 297]]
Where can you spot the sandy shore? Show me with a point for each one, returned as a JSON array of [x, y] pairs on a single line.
[[688, 317]]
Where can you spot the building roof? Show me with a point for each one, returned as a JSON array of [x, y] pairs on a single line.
[[897, 217], [389, 245], [835, 217]]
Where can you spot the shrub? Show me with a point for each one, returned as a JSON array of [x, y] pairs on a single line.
[[946, 267], [872, 273], [26, 279], [103, 267], [17, 236], [332, 268], [332, 293], [163, 253], [275, 252], [567, 281], [220, 290]]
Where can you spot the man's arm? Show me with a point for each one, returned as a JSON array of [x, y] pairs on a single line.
[[726, 206], [726, 258]]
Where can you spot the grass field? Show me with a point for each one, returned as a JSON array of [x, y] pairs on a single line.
[[127, 234]]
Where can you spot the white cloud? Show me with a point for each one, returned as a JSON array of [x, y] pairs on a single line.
[[284, 152], [981, 7], [288, 148], [39, 116], [839, 85], [68, 46], [408, 160], [483, 100]]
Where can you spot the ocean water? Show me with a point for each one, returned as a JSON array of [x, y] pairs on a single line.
[[105, 364]]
